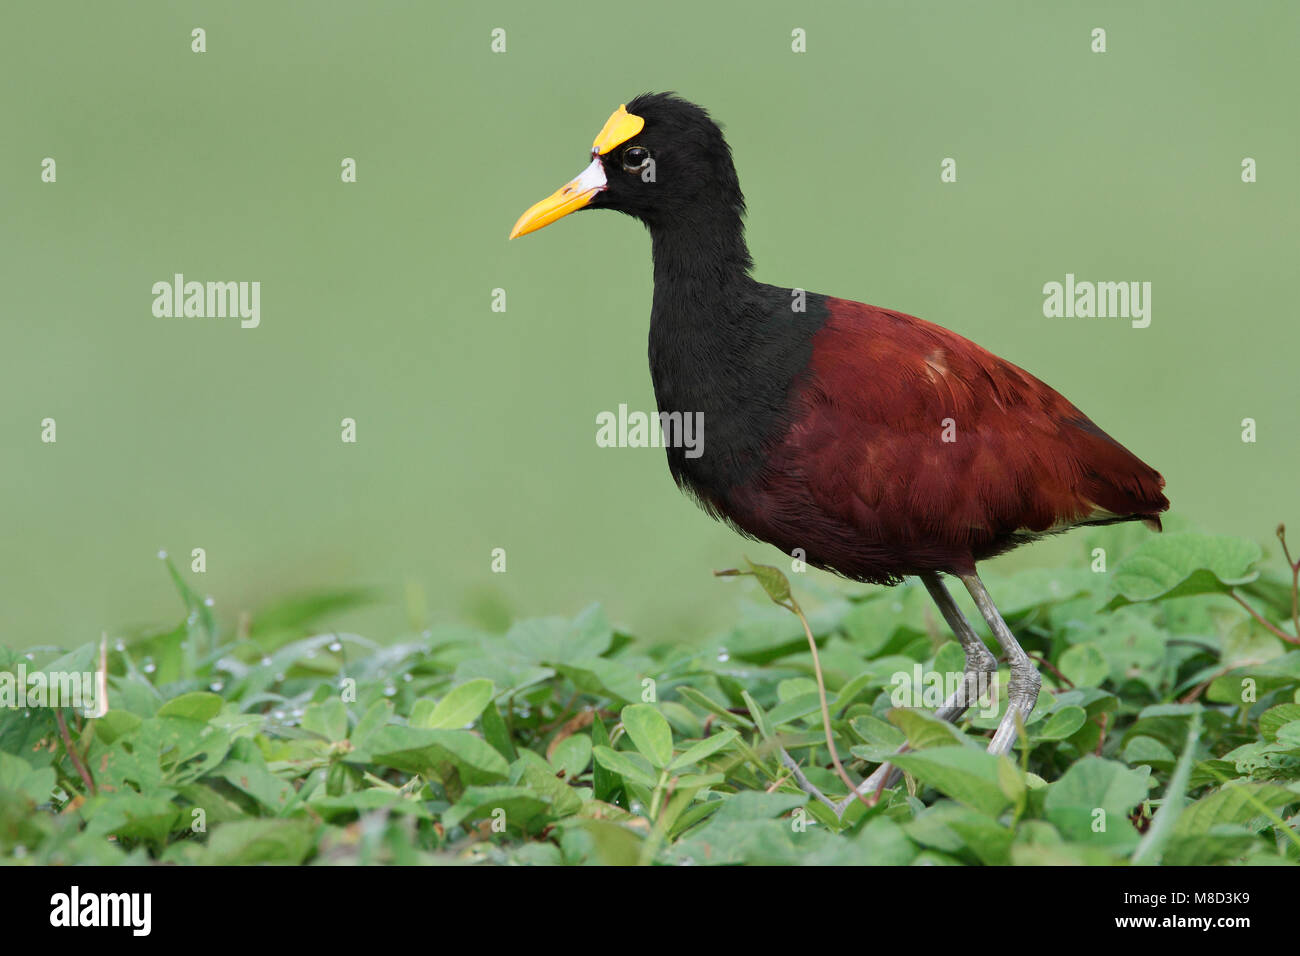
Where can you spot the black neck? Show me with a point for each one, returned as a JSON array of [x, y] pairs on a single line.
[[721, 344], [701, 253]]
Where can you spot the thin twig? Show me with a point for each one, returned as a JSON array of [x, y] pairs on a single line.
[[1048, 664], [82, 770], [826, 710], [1283, 635], [806, 785], [1199, 689], [1295, 578]]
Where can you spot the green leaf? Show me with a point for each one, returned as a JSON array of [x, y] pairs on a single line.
[[605, 678], [968, 775], [1084, 665], [924, 730], [460, 708], [365, 801], [1150, 848], [772, 580], [1091, 801], [702, 750], [796, 708], [958, 830], [877, 734], [650, 733], [437, 753], [1273, 719], [532, 770], [1234, 802], [19, 776], [497, 733], [556, 640], [254, 779], [625, 765], [851, 691], [286, 842], [328, 718], [376, 716], [572, 756], [517, 806], [759, 716], [1178, 565], [704, 702], [1061, 724], [604, 781], [199, 705], [133, 816]]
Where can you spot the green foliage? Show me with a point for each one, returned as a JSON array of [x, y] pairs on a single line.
[[1168, 731]]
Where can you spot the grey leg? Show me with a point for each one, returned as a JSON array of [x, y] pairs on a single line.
[[1022, 689], [979, 661]]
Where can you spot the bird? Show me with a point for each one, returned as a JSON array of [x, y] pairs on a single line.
[[879, 445]]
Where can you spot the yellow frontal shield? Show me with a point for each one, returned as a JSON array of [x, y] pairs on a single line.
[[618, 129]]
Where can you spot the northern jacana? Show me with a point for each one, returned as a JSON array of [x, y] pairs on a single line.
[[880, 444]]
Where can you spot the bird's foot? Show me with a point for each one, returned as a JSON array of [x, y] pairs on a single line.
[[1022, 695]]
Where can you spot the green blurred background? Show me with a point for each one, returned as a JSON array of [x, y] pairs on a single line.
[[477, 428]]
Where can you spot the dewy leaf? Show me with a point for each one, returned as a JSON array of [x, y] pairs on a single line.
[[329, 718], [1177, 565], [650, 733], [376, 716], [556, 640], [436, 752]]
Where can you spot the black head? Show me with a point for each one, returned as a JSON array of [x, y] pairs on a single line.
[[661, 159]]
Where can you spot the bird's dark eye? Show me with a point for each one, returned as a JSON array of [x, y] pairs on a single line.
[[635, 158]]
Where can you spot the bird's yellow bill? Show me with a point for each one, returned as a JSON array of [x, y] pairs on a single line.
[[573, 195], [570, 197]]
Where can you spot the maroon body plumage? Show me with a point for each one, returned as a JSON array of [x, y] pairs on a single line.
[[913, 449]]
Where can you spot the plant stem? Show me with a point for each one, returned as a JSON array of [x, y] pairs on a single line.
[[82, 770], [826, 711], [1277, 632]]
